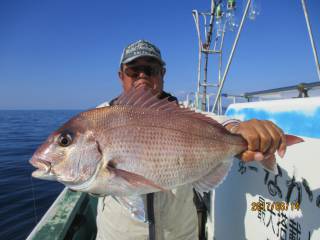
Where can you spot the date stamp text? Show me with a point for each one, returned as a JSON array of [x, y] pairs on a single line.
[[278, 206]]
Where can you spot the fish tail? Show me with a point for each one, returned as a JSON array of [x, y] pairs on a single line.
[[270, 163]]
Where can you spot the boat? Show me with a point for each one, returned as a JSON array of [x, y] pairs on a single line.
[[251, 203]]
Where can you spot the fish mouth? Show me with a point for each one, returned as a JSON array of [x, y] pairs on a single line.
[[43, 170]]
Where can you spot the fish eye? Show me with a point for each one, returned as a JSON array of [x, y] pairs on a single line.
[[65, 139]]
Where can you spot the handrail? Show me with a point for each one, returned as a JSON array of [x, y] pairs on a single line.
[[301, 86], [57, 220]]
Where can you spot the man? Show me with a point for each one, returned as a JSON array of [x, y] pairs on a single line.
[[169, 215]]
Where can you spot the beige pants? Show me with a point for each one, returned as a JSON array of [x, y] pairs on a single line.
[[175, 218]]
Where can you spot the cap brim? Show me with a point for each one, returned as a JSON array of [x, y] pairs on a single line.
[[143, 55]]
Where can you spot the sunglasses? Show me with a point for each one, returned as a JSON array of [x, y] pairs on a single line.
[[134, 71]]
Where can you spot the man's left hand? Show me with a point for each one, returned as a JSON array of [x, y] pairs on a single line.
[[264, 139]]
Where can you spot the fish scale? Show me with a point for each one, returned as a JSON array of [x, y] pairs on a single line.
[[147, 137]]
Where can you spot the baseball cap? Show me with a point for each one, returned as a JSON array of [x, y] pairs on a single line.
[[141, 48]]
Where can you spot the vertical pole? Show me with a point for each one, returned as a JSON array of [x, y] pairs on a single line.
[[219, 112], [311, 37], [196, 20], [204, 92], [207, 47], [231, 56]]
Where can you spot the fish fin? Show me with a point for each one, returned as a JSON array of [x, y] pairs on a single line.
[[291, 139], [134, 204], [270, 164], [143, 97], [214, 178], [135, 179]]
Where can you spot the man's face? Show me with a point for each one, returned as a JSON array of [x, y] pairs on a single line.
[[144, 71]]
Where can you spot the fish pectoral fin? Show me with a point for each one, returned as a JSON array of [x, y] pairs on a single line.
[[291, 139], [215, 177], [270, 164], [134, 179], [134, 204]]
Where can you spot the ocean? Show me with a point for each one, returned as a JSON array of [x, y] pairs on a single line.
[[24, 200]]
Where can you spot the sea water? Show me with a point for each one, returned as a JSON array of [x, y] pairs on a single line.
[[24, 200]]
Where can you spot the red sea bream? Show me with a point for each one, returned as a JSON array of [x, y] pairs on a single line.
[[138, 146]]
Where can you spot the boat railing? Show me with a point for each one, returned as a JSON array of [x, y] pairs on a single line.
[[194, 100], [71, 216]]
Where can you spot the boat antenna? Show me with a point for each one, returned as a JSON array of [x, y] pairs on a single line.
[[221, 20], [204, 48], [218, 95]]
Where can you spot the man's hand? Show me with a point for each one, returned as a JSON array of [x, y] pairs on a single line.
[[264, 139]]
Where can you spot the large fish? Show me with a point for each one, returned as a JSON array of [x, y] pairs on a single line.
[[138, 146]]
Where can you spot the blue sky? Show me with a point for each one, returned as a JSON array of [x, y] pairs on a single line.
[[65, 54]]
